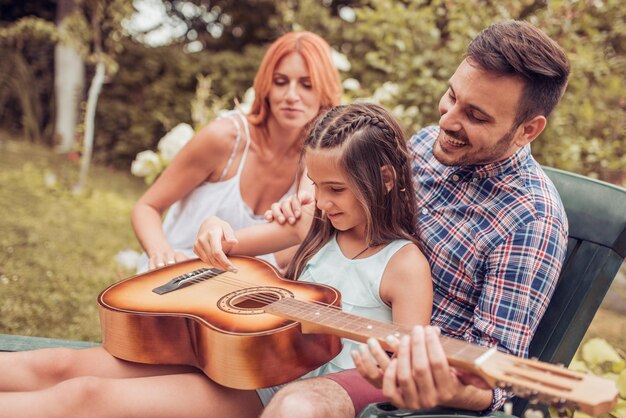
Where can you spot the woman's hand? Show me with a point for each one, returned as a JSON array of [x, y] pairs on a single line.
[[215, 239], [165, 257]]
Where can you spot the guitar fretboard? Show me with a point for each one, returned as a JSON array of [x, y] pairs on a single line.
[[334, 321]]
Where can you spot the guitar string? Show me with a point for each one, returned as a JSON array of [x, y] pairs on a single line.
[[333, 309], [243, 284], [336, 311]]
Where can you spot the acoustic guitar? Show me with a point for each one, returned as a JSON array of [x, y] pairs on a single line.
[[254, 329]]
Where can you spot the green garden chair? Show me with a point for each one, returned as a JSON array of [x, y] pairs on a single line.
[[596, 249]]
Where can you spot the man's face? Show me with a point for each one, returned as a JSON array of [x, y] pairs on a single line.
[[477, 115]]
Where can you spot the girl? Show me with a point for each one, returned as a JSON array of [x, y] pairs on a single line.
[[360, 239], [238, 165]]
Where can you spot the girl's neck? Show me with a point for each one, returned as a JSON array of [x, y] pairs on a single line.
[[352, 242]]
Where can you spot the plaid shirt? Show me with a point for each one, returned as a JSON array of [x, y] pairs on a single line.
[[495, 236]]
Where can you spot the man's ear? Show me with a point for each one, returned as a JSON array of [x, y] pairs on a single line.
[[530, 130], [389, 176]]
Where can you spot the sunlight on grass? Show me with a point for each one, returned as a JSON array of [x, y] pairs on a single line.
[[57, 248]]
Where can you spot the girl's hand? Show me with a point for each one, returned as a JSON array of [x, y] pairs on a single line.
[[215, 239], [372, 363], [160, 259], [290, 209]]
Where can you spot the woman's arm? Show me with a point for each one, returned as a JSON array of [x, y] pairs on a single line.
[[201, 159]]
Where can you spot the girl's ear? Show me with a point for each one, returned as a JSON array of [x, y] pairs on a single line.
[[389, 176]]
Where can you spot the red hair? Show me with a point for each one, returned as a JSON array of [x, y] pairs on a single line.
[[316, 53]]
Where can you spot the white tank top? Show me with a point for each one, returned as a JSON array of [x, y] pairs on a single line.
[[359, 283], [222, 199]]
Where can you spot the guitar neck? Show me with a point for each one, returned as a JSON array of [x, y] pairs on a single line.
[[527, 378], [323, 319]]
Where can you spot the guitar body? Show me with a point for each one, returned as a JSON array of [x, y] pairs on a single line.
[[216, 324]]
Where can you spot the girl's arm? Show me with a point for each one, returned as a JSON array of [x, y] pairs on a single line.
[[420, 375], [216, 238], [201, 159], [407, 286]]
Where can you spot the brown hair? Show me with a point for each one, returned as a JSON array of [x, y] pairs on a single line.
[[518, 48], [316, 53], [368, 138]]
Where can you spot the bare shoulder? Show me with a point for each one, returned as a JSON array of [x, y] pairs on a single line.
[[218, 137], [409, 258]]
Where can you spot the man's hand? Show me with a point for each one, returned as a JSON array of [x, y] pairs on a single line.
[[419, 376], [290, 209], [215, 239]]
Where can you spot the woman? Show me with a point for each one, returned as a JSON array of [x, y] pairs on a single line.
[[237, 166]]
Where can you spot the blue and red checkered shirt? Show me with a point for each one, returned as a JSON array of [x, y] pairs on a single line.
[[495, 236]]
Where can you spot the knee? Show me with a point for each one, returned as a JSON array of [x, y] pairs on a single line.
[[49, 366], [75, 395], [293, 399]]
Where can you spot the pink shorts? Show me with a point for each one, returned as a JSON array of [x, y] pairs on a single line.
[[361, 392]]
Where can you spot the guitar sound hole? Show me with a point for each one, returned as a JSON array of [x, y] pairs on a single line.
[[254, 300]]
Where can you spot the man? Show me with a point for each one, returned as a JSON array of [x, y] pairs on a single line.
[[491, 224]]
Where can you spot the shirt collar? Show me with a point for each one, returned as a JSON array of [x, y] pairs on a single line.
[[510, 165]]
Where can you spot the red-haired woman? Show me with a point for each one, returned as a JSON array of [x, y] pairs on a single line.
[[237, 166], [234, 168]]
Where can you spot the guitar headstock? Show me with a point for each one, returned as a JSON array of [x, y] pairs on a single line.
[[548, 383]]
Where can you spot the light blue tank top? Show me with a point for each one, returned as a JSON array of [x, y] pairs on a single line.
[[359, 283]]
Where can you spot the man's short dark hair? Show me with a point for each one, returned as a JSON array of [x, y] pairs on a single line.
[[518, 48]]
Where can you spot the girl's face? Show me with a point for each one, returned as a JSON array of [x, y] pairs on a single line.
[[334, 193], [293, 103]]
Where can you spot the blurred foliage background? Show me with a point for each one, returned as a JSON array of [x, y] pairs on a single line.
[[400, 52], [58, 247]]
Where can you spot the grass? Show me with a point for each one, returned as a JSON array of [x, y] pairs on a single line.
[[57, 248]]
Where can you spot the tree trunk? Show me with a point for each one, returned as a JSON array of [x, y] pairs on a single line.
[[90, 122], [68, 87], [69, 80]]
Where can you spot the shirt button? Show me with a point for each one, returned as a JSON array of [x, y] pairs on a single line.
[[455, 177], [475, 180], [424, 211]]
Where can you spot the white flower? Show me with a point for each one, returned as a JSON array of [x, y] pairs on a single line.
[[386, 92], [340, 60], [127, 259], [173, 141], [351, 84], [147, 163], [248, 99], [347, 13]]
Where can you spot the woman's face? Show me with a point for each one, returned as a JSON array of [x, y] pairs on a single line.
[[293, 103]]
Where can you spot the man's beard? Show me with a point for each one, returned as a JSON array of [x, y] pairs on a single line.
[[482, 156]]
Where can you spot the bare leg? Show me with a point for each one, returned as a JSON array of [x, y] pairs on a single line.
[[178, 395], [39, 369], [310, 398]]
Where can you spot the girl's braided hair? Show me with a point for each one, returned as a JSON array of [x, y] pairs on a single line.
[[369, 139]]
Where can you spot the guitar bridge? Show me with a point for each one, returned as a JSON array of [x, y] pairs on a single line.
[[187, 279]]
